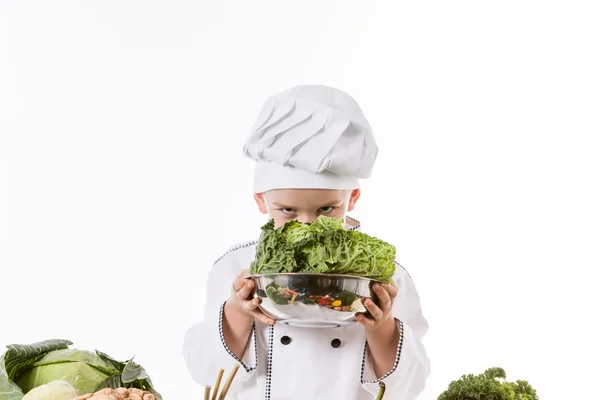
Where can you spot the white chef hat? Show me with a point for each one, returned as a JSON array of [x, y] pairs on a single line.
[[311, 137]]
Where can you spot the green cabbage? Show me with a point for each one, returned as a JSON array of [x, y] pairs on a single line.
[[56, 390], [82, 369], [9, 390], [323, 246], [25, 367]]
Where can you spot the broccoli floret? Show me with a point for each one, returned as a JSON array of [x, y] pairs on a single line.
[[491, 385]]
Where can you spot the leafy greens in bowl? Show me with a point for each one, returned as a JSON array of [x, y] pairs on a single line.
[[323, 246], [317, 274]]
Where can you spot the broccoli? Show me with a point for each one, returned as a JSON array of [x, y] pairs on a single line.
[[491, 385]]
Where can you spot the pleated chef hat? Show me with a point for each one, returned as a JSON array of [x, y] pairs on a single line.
[[311, 137]]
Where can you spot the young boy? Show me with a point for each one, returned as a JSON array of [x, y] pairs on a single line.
[[312, 144]]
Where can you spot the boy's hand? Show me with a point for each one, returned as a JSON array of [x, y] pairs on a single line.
[[380, 313], [383, 335], [243, 303]]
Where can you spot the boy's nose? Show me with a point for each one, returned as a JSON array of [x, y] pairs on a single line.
[[306, 218]]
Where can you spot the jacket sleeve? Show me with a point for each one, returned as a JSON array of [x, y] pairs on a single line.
[[204, 348], [411, 368]]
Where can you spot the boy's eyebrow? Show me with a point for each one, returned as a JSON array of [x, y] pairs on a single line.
[[279, 205], [333, 203]]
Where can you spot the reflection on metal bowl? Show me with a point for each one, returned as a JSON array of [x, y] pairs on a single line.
[[312, 300]]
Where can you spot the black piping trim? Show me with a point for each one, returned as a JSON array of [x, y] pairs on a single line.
[[355, 220], [238, 247], [396, 361], [269, 363], [247, 368], [405, 270]]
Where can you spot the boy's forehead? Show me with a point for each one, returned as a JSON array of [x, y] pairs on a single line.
[[305, 197]]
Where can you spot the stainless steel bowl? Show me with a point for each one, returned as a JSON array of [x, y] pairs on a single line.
[[313, 300]]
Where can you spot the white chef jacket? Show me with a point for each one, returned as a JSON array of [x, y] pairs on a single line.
[[287, 363]]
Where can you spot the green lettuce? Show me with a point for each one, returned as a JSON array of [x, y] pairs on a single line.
[[323, 246], [25, 367]]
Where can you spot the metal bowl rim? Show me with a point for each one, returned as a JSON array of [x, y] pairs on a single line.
[[312, 274]]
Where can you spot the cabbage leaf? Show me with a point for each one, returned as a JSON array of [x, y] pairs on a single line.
[[9, 390], [323, 246]]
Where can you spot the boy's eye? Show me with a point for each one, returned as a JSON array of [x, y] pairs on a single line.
[[324, 210]]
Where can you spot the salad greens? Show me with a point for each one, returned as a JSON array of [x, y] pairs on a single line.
[[25, 367], [323, 246]]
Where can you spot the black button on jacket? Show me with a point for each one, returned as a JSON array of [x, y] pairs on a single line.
[[285, 340]]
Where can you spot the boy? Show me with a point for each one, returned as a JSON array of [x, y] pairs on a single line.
[[312, 144]]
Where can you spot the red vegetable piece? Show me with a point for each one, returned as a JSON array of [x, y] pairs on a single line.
[[323, 301]]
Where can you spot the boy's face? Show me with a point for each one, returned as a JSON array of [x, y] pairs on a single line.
[[305, 205]]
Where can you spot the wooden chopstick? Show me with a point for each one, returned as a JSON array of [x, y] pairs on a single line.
[[218, 384], [228, 383], [206, 392]]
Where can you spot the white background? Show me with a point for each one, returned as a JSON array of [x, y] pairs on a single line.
[[122, 179]]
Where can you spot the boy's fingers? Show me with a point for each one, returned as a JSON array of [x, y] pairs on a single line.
[[263, 318], [373, 309], [240, 281], [252, 304], [246, 290], [238, 284], [392, 289], [364, 320], [252, 307], [385, 301]]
